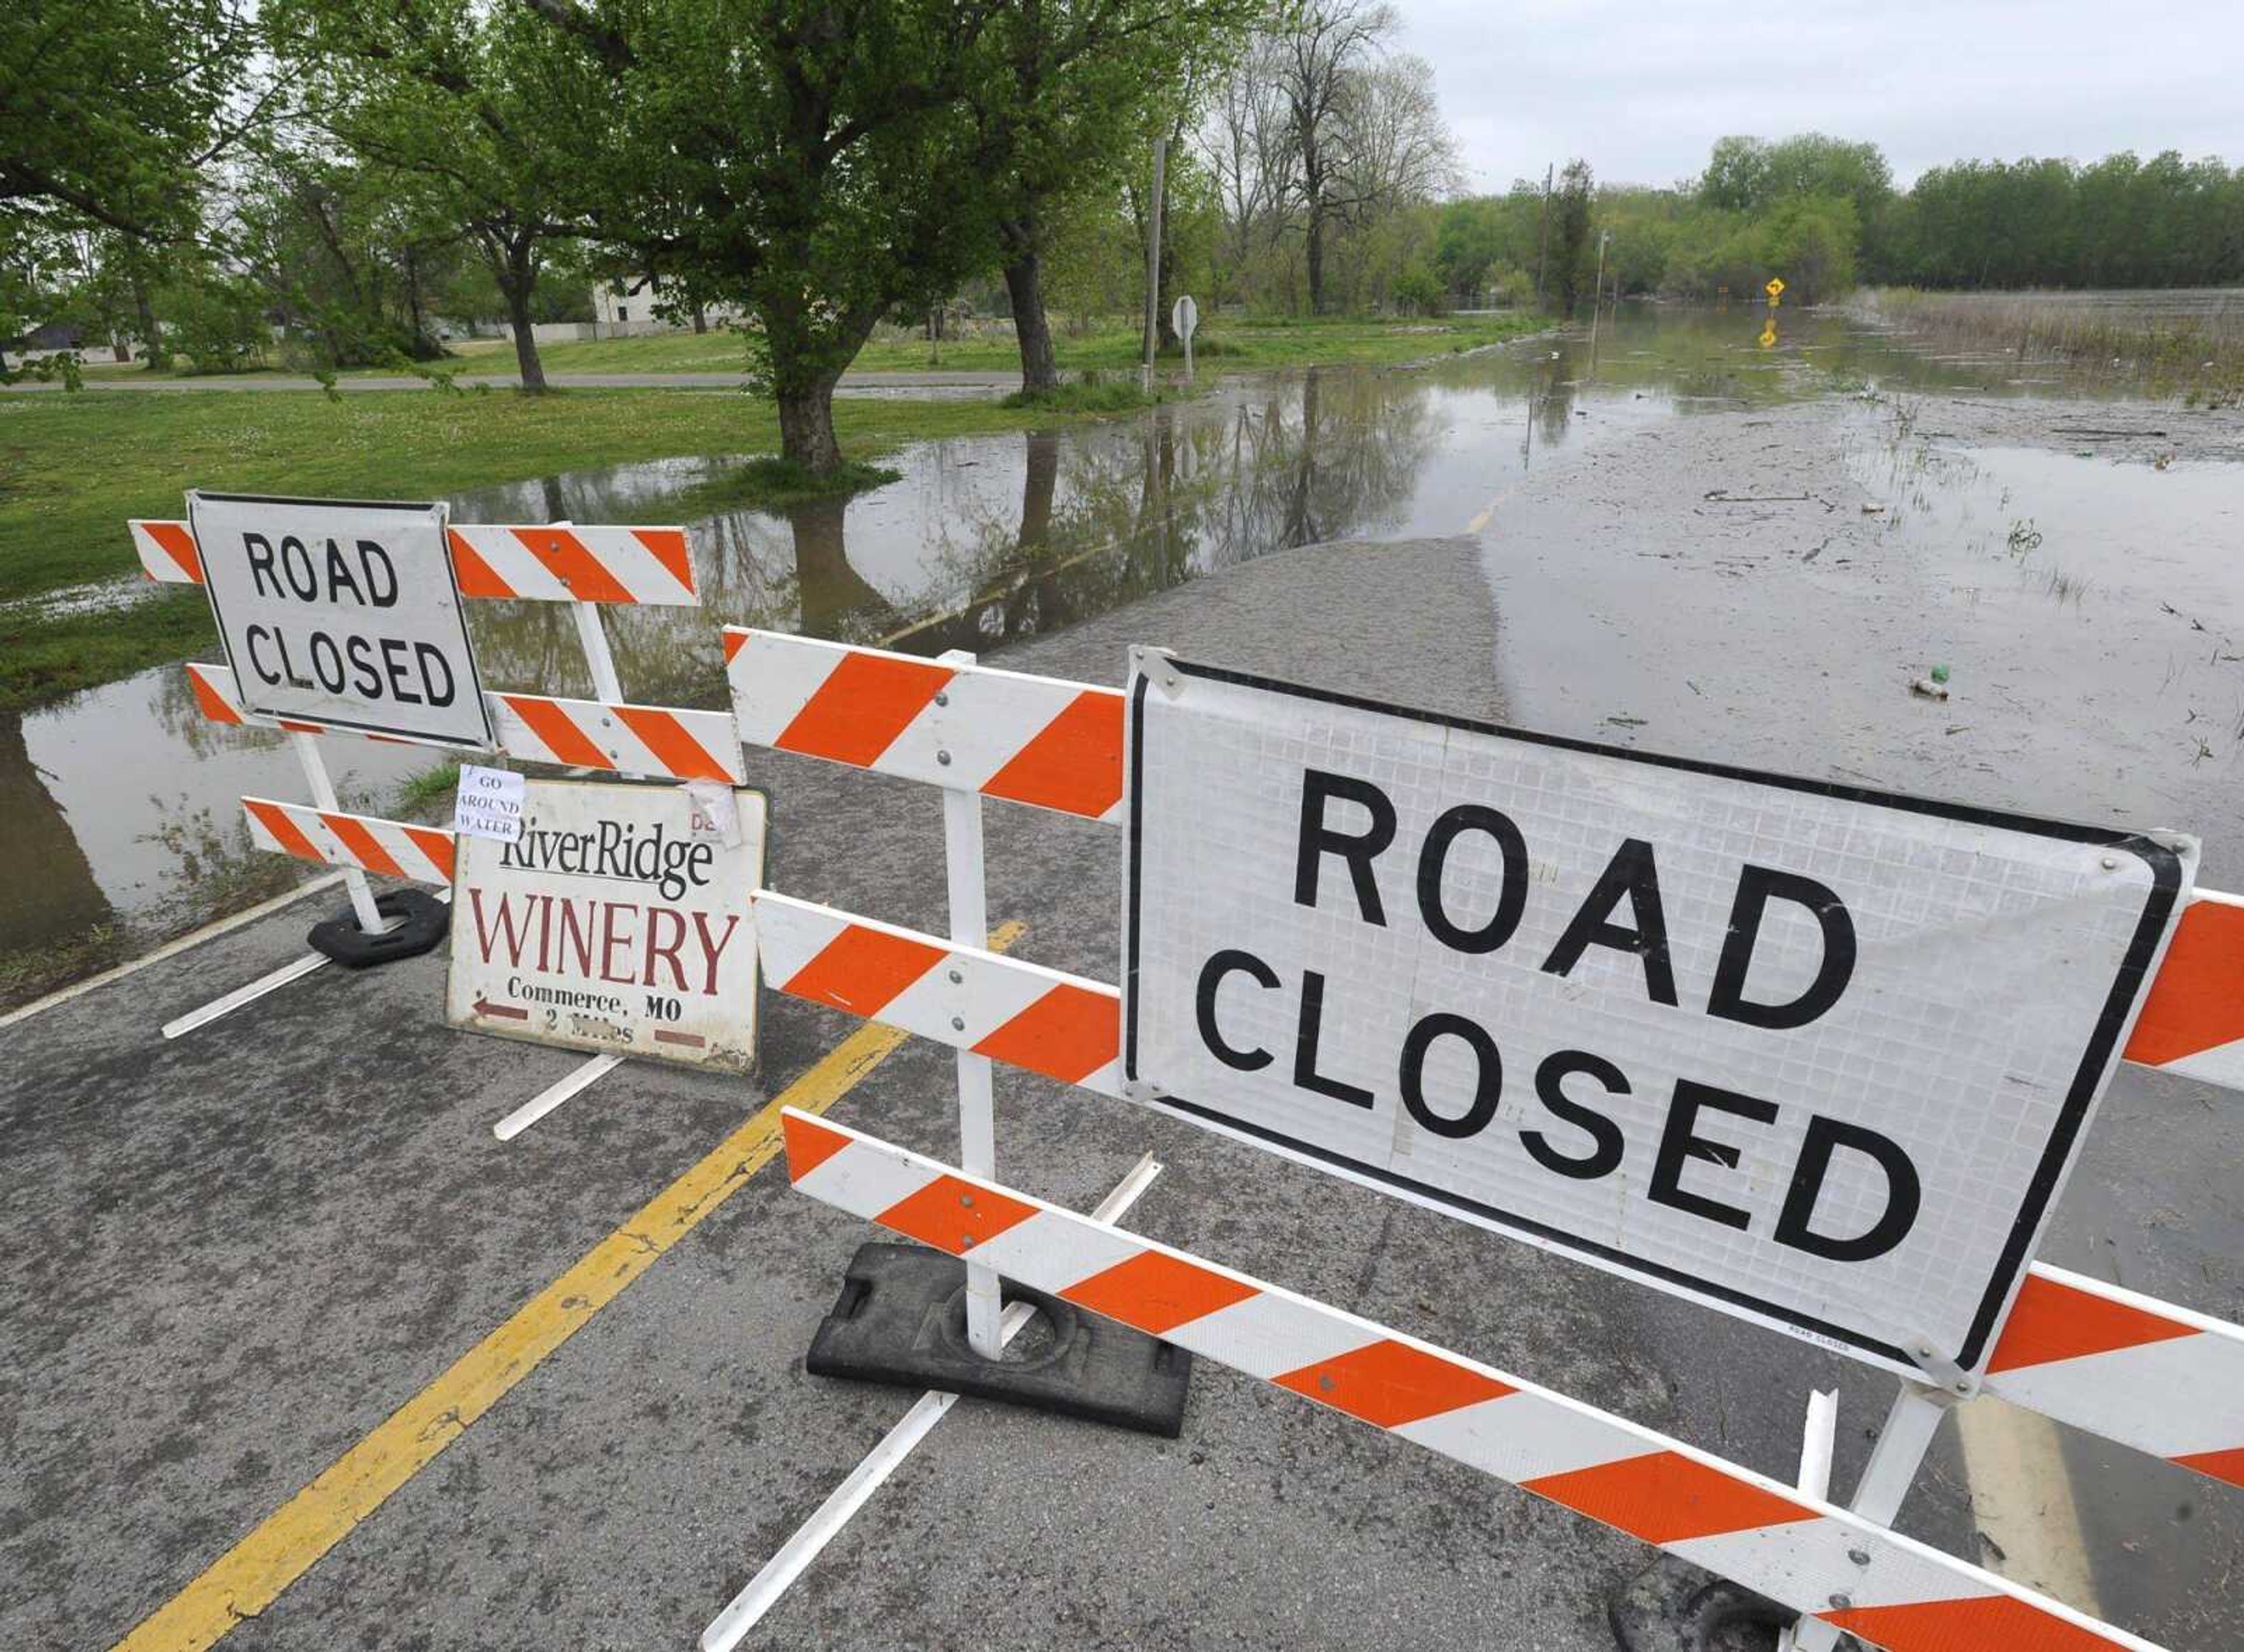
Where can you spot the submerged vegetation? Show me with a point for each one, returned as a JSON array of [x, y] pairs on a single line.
[[2194, 340]]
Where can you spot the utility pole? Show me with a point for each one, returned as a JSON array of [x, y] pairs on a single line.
[[1542, 251], [1597, 292], [1153, 265]]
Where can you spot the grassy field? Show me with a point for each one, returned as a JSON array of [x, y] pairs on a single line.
[[1220, 346], [72, 468]]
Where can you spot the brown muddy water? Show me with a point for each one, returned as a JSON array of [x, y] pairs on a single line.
[[122, 824]]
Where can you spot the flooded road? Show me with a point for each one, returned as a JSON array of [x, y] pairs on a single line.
[[1694, 543], [122, 799]]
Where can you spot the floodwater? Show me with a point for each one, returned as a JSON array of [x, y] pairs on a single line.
[[121, 802], [2014, 559]]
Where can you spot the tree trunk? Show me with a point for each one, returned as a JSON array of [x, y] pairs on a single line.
[[806, 425], [1024, 283], [1163, 308], [517, 280], [153, 356], [1039, 486], [700, 317], [1314, 257]]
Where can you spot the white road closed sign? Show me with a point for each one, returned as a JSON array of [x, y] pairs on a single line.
[[618, 921], [341, 613], [1815, 1055]]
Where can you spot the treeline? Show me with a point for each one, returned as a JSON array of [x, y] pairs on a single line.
[[335, 179], [1823, 214]]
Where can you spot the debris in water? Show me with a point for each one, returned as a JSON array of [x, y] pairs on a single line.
[[1623, 720], [1930, 689], [1940, 674], [1873, 510]]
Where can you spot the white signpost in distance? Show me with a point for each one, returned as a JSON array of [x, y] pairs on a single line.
[[1815, 1056], [618, 921], [343, 613]]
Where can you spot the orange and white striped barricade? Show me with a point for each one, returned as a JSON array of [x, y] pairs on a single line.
[[898, 715], [1828, 1564], [929, 720], [585, 567]]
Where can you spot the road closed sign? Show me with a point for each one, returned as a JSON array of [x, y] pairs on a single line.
[[1815, 1055], [615, 920], [339, 613]]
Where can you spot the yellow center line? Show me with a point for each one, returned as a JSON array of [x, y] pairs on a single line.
[[250, 1575]]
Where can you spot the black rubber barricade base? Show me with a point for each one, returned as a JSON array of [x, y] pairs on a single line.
[[1672, 1606], [902, 1319], [427, 920]]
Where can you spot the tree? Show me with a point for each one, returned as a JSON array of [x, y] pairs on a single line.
[[815, 162], [111, 114], [1080, 79], [1244, 146], [460, 101], [1569, 229], [1318, 57], [110, 108]]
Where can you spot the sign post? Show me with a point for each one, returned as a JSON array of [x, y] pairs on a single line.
[[1185, 316], [617, 920], [1816, 1056]]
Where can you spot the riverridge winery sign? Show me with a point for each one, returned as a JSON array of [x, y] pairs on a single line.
[[618, 920], [1817, 1056], [345, 613]]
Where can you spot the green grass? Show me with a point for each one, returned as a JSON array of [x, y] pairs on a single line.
[[421, 791], [1087, 396], [774, 483], [1224, 345], [73, 467]]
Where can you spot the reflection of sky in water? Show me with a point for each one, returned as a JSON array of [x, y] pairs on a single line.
[[984, 541]]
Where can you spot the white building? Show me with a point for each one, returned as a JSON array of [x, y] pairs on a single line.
[[631, 308]]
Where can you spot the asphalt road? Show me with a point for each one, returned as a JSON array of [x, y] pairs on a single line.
[[231, 1256]]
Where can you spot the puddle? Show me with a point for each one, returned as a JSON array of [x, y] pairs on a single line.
[[984, 541]]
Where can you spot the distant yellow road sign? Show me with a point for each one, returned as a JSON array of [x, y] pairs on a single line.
[[1775, 288]]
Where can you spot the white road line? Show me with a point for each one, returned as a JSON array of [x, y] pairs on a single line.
[[169, 949], [553, 1096], [747, 1609]]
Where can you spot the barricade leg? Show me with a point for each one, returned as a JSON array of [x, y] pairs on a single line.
[[323, 796], [1900, 1452], [1816, 1441], [977, 1127], [747, 1609]]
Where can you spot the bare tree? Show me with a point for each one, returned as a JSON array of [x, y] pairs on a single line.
[[1247, 149], [1318, 57], [1396, 149], [1320, 131]]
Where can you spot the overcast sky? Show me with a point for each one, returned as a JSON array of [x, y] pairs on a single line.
[[1641, 88]]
